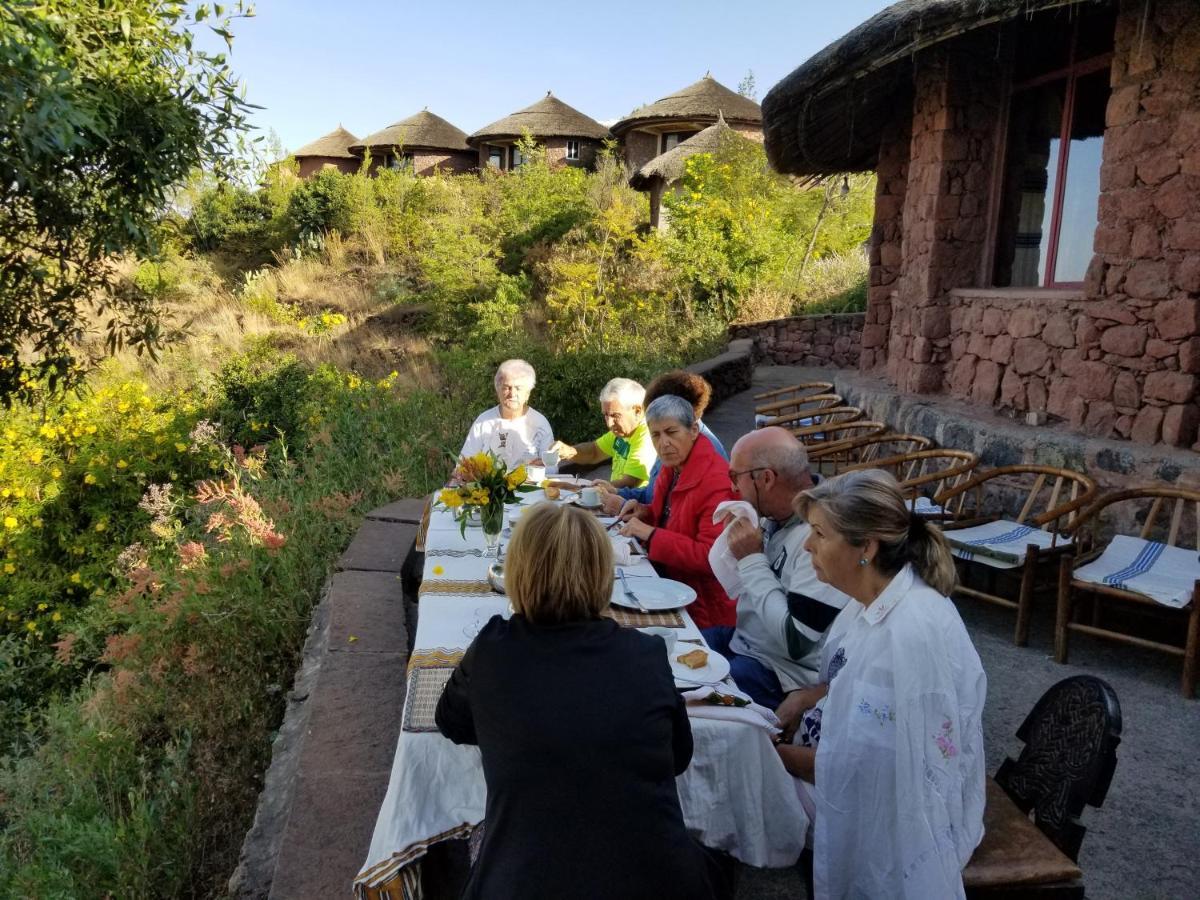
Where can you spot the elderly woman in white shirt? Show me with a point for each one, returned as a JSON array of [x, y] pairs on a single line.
[[892, 751], [512, 429]]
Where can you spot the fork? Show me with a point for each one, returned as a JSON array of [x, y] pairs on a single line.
[[628, 593]]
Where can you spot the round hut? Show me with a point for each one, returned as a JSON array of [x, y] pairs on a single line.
[[664, 171], [661, 126], [424, 143], [330, 151], [570, 137]]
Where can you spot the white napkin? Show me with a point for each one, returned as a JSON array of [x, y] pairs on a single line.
[[622, 549], [722, 562], [752, 714]]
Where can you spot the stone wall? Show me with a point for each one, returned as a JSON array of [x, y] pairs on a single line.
[[311, 165], [1119, 357], [952, 150], [1144, 323], [828, 340], [556, 152], [640, 147], [886, 244], [730, 373]]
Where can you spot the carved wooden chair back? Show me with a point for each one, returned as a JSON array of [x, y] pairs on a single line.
[[1178, 528], [1070, 753]]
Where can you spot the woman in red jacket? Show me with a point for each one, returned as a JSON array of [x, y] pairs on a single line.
[[677, 528]]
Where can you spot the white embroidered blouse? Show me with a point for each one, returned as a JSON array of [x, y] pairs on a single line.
[[899, 769]]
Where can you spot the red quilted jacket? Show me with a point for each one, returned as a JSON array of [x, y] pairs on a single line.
[[679, 548]]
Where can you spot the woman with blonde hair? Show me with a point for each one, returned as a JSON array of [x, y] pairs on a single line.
[[580, 729], [893, 748]]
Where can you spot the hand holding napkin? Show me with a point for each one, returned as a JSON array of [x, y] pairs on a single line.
[[722, 562]]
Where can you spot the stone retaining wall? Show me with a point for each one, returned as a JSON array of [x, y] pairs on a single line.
[[731, 372], [828, 340]]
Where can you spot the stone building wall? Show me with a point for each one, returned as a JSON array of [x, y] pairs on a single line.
[[952, 151], [886, 243], [426, 162], [311, 165], [640, 148], [826, 340], [556, 152], [1119, 357]]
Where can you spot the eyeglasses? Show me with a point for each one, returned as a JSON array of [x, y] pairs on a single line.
[[734, 475]]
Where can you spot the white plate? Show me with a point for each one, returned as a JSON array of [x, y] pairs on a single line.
[[655, 594], [714, 669]]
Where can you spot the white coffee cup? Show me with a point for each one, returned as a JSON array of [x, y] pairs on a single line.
[[550, 458], [590, 496], [669, 636], [536, 474]]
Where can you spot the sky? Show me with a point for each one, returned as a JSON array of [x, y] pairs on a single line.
[[364, 64]]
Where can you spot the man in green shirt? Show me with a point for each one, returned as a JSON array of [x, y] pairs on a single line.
[[627, 442]]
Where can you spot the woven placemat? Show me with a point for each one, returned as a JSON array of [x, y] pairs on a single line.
[[434, 658], [425, 686], [632, 618], [455, 554], [453, 587]]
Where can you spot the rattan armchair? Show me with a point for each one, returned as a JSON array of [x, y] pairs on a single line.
[[989, 545], [924, 474], [805, 408], [774, 403], [1120, 574], [833, 457]]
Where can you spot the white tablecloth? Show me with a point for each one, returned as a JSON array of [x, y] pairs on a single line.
[[735, 795]]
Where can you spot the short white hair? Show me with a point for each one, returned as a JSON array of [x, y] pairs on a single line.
[[669, 406], [625, 391], [515, 369]]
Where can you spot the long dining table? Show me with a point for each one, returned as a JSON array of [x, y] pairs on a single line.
[[736, 796]]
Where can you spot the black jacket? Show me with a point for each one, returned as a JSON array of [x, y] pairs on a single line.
[[582, 734]]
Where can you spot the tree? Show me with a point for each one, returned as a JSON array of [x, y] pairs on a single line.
[[105, 106], [746, 86]]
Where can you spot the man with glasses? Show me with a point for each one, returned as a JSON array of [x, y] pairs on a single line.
[[784, 610]]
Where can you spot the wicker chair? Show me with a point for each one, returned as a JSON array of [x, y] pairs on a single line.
[[924, 474], [820, 436], [773, 403], [822, 422], [837, 456], [1028, 545], [1109, 576], [805, 408]]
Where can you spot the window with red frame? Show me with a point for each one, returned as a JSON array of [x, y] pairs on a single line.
[[1051, 188]]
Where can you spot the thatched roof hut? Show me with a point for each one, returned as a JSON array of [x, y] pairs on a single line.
[[549, 117], [669, 166], [335, 145], [422, 131], [699, 102], [329, 151], [827, 116]]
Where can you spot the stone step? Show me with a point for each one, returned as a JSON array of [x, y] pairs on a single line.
[[379, 546]]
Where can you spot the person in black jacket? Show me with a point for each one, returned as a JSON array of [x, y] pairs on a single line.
[[581, 732]]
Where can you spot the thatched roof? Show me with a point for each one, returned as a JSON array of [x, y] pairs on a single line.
[[702, 101], [336, 143], [669, 166], [549, 117], [423, 131], [828, 115]]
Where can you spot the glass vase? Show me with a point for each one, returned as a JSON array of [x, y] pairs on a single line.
[[492, 520]]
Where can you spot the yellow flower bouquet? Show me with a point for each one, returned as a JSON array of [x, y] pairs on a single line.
[[480, 488]]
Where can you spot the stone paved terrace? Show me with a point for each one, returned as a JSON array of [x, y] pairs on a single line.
[[334, 754], [1145, 840]]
